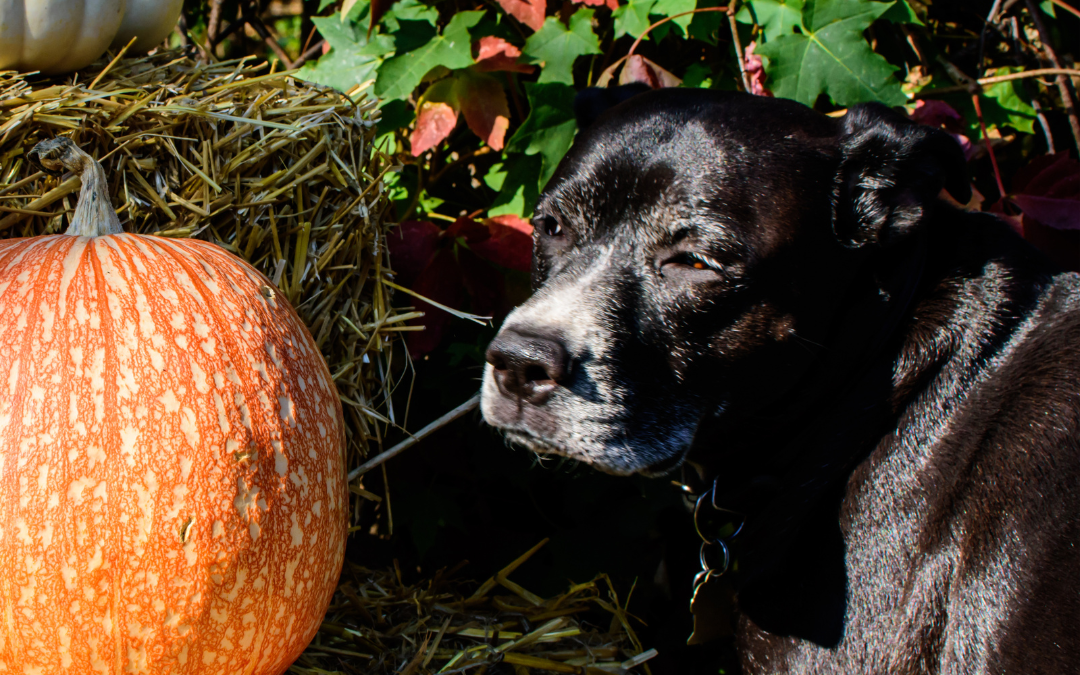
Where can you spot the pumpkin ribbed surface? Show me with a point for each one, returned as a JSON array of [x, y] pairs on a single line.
[[172, 491]]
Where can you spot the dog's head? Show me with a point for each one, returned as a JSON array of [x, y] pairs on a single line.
[[689, 255]]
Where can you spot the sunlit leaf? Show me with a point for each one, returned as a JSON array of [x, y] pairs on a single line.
[[557, 46], [352, 58], [401, 74], [832, 56], [776, 17], [517, 185], [632, 18], [482, 102], [495, 53], [666, 8], [529, 12], [436, 117]]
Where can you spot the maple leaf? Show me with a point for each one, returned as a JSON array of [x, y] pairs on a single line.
[[436, 116], [495, 53], [667, 8], [529, 12], [351, 58], [640, 69], [483, 103], [776, 17], [632, 18], [557, 46], [398, 76], [832, 56]]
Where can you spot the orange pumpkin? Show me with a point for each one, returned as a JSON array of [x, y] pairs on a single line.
[[172, 489]]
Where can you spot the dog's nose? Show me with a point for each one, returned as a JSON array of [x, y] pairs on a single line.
[[528, 366]]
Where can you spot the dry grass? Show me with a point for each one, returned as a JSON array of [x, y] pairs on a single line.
[[283, 173]]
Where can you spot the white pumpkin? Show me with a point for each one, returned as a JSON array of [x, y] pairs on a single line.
[[149, 20], [59, 36]]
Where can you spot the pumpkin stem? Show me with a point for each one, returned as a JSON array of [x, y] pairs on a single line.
[[94, 214]]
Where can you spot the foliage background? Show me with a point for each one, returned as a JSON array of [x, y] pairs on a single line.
[[477, 109]]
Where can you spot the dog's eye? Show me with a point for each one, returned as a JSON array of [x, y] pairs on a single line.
[[691, 261], [549, 225]]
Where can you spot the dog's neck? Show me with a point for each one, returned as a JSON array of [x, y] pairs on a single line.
[[793, 463]]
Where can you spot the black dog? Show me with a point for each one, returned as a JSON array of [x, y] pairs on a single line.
[[887, 388]]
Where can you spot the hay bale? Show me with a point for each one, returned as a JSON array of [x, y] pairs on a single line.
[[277, 170]]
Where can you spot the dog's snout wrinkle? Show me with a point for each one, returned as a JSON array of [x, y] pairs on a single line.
[[528, 367]]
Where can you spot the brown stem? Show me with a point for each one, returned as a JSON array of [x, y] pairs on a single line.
[[1062, 81], [308, 53], [738, 45], [256, 23], [212, 24], [982, 81], [94, 215]]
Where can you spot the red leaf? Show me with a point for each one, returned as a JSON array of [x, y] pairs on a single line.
[[441, 281], [933, 113], [483, 103], [436, 117], [433, 124], [412, 244], [611, 4], [469, 230], [1049, 176], [1061, 214], [529, 12], [509, 244], [640, 69], [495, 53], [1047, 190], [755, 71]]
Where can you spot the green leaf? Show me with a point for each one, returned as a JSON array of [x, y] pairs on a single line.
[[698, 76], [352, 59], [1008, 104], [776, 17], [550, 127], [408, 10], [705, 26], [831, 56], [666, 8], [632, 18], [1048, 8], [557, 47], [901, 12], [401, 74], [518, 186]]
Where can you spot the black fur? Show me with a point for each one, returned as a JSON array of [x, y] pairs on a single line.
[[889, 388]]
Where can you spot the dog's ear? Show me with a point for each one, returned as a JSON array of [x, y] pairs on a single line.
[[592, 102], [891, 170]]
